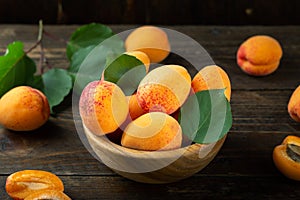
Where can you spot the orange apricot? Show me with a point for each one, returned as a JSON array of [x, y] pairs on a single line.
[[142, 57], [153, 131], [21, 184], [135, 109], [23, 109], [48, 194], [259, 55], [286, 157], [212, 77], [164, 89], [294, 105], [151, 40], [103, 107]]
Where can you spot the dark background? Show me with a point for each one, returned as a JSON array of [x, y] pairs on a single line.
[[168, 12]]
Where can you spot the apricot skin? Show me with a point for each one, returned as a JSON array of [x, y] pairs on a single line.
[[48, 194], [164, 89], [212, 77], [135, 109], [24, 109], [294, 105], [103, 107], [259, 55], [151, 40], [286, 165], [142, 57], [153, 131]]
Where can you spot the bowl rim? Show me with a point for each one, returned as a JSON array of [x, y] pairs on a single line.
[[190, 150]]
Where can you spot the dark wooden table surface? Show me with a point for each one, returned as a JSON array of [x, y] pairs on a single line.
[[243, 169]]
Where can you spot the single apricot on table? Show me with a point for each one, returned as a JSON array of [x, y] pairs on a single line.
[[294, 105], [142, 57], [212, 77], [103, 107], [286, 157], [164, 89], [23, 183], [24, 109], [153, 131], [259, 55], [151, 40]]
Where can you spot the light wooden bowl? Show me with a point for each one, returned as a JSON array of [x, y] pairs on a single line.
[[153, 167]]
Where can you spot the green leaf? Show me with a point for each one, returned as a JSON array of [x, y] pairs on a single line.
[[78, 57], [126, 71], [87, 35], [36, 82], [206, 116], [16, 68], [93, 63], [57, 85]]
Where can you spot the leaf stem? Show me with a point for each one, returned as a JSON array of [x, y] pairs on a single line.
[[39, 39]]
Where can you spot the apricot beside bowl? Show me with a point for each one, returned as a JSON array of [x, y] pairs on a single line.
[[154, 167]]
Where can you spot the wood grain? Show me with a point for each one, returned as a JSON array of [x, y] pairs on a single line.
[[242, 169]]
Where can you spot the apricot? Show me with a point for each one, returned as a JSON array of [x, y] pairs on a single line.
[[103, 107], [24, 109], [151, 40], [48, 194], [286, 157], [153, 131], [212, 77], [164, 89], [142, 57], [259, 55], [135, 109], [294, 105], [21, 184]]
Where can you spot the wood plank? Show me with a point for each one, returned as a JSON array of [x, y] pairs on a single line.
[[204, 187]]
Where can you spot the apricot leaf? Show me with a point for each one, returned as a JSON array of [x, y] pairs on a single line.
[[87, 35], [78, 57], [206, 116], [57, 85], [16, 68], [126, 71]]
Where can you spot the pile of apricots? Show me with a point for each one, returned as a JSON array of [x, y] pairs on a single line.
[[146, 120], [147, 117]]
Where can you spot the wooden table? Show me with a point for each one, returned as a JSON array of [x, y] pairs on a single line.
[[243, 169]]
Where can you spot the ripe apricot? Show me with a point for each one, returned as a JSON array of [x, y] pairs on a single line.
[[164, 89], [294, 105], [48, 194], [135, 109], [151, 40], [21, 184], [286, 157], [153, 131], [259, 55], [103, 107], [142, 57], [212, 77], [23, 109]]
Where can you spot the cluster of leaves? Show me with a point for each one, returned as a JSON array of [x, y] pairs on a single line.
[[17, 68], [94, 51]]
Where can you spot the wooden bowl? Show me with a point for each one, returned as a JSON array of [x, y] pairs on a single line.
[[155, 166]]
